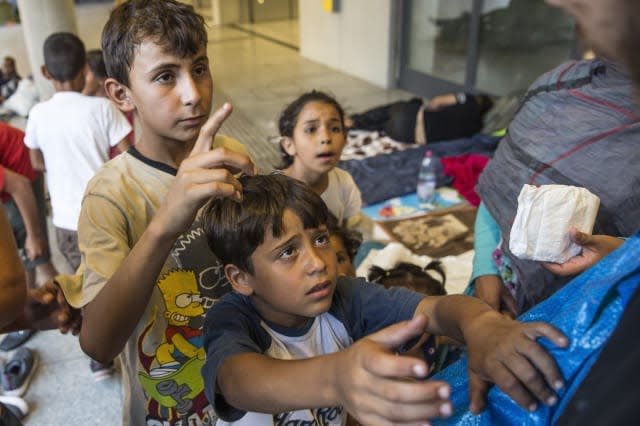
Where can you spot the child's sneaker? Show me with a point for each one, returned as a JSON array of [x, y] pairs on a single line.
[[15, 339], [101, 371], [17, 374], [16, 405]]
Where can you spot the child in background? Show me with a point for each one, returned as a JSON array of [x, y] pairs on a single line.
[[293, 337], [70, 136], [9, 78], [437, 351], [96, 75], [345, 242], [94, 86], [312, 139], [412, 277]]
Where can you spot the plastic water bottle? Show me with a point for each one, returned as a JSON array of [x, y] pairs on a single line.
[[426, 187]]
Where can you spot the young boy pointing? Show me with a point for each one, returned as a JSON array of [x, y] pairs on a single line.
[[148, 276]]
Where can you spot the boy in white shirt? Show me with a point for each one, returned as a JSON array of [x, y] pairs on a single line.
[[70, 136]]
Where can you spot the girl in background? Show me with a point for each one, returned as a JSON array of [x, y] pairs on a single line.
[[312, 137]]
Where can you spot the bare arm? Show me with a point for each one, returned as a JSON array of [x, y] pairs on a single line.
[[22, 193], [13, 282], [368, 379], [123, 299], [37, 160]]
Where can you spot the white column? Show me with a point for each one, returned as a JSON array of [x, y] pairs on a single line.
[[39, 19]]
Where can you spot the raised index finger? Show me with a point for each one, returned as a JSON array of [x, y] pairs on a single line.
[[210, 128]]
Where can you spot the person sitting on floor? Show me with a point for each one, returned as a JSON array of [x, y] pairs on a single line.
[[9, 78]]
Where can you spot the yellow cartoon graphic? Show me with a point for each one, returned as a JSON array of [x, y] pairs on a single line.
[[173, 377]]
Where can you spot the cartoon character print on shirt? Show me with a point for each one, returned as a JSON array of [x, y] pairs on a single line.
[[170, 374], [331, 416]]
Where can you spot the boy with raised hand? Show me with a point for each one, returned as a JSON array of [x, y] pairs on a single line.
[[148, 276], [295, 343]]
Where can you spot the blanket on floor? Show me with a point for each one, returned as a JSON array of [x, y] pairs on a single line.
[[385, 176]]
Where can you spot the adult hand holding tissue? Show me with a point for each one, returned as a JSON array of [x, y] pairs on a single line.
[[594, 248], [545, 216]]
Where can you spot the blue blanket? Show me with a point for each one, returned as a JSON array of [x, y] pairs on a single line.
[[587, 310]]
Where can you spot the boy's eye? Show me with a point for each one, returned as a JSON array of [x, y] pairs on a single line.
[[310, 129], [322, 239], [200, 70], [287, 253], [165, 77], [337, 129]]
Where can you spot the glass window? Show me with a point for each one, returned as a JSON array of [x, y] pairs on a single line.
[[438, 38], [519, 41]]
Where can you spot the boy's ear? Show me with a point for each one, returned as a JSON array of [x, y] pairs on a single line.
[[45, 73], [119, 94], [287, 144], [239, 279]]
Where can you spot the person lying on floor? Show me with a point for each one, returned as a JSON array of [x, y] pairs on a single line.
[[445, 117]]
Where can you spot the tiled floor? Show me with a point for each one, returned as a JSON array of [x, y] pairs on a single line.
[[259, 76]]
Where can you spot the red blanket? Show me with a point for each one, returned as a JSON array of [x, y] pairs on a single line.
[[465, 170]]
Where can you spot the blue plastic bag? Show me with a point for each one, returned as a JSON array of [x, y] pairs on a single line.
[[587, 311]]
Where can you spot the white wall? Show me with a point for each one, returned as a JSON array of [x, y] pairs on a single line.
[[225, 11], [357, 40]]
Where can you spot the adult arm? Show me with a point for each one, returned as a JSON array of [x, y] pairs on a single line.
[[37, 160], [22, 193], [501, 350], [13, 281], [124, 297]]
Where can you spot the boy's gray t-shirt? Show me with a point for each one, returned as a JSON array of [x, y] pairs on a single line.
[[233, 326]]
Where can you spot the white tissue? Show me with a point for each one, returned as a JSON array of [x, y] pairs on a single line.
[[545, 214]]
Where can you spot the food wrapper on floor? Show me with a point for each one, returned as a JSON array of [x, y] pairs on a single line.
[[544, 217]]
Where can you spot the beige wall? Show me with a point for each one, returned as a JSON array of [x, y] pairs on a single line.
[[357, 40]]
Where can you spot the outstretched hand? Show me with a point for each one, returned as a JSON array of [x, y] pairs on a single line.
[[379, 387], [204, 174], [505, 352], [594, 248]]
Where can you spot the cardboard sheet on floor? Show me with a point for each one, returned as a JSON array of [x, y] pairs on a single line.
[[444, 232]]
